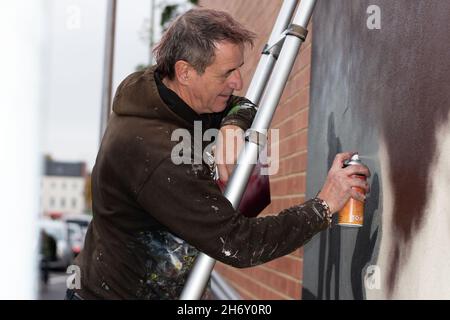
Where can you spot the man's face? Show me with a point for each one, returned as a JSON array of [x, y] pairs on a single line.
[[210, 91]]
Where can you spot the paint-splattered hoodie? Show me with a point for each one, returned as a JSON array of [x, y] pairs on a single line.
[[152, 217]]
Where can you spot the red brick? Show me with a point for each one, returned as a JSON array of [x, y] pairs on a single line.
[[293, 164], [258, 288], [275, 281], [287, 265], [293, 144], [293, 124], [285, 186], [298, 253], [286, 108]]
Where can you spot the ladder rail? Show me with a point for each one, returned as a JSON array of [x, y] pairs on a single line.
[[279, 74]]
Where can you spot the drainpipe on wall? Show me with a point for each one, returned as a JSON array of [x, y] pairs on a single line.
[[108, 66]]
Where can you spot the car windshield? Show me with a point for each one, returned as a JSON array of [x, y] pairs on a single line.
[[54, 231], [75, 232]]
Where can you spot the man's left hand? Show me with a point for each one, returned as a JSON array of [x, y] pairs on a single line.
[[230, 142]]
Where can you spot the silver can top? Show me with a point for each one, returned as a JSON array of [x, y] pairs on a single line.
[[353, 160]]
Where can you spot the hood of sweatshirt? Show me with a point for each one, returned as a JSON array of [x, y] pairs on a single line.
[[138, 96]]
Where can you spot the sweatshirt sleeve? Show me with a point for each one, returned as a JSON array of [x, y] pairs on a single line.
[[187, 201], [241, 113]]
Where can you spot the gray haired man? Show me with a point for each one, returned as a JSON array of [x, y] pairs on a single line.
[[152, 216]]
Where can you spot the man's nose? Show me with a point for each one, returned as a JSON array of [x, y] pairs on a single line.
[[236, 80]]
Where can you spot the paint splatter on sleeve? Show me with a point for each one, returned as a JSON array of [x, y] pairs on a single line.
[[193, 208]]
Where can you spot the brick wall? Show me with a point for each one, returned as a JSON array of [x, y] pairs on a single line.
[[281, 278]]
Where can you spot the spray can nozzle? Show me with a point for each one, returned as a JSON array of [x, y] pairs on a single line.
[[353, 160]]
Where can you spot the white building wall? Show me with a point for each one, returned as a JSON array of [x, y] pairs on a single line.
[[62, 194]]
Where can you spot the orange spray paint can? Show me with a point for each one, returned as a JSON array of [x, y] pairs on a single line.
[[352, 215]]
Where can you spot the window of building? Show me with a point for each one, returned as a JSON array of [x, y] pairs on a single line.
[[63, 202], [52, 202], [74, 203]]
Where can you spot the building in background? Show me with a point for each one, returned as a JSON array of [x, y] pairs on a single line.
[[63, 188]]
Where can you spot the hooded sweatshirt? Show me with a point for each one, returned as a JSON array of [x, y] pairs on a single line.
[[153, 215]]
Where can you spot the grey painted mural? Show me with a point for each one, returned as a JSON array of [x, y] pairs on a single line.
[[381, 86]]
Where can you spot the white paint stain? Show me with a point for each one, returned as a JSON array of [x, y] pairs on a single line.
[[227, 252], [424, 273]]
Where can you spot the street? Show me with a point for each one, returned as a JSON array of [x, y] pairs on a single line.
[[55, 288]]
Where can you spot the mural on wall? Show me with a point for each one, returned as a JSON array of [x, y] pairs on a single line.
[[381, 86]]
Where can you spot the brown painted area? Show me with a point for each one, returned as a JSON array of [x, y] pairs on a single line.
[[393, 82], [408, 85]]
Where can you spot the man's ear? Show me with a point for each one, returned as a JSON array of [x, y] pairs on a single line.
[[183, 71]]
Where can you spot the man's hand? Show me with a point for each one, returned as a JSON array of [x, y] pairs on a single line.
[[230, 141], [338, 187]]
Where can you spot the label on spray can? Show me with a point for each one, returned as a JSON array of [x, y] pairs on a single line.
[[352, 215]]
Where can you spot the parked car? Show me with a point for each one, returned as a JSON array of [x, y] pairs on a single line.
[[76, 237], [57, 232], [78, 225]]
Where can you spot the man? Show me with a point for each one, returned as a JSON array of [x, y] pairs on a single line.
[[151, 216]]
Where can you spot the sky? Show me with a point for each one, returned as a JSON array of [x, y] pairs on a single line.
[[74, 70]]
